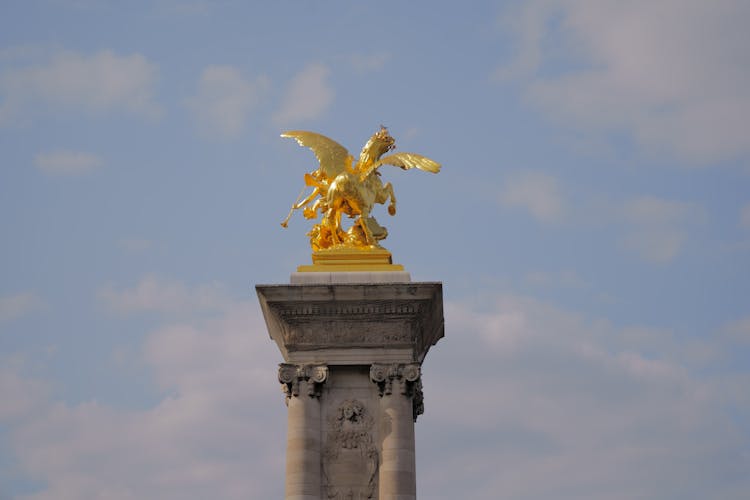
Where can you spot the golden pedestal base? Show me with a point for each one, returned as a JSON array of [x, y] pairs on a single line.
[[350, 259]]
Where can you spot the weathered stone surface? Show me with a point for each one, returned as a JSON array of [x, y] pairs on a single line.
[[353, 322], [352, 380], [350, 436]]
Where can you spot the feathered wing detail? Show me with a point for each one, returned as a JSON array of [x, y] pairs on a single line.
[[331, 155], [404, 161]]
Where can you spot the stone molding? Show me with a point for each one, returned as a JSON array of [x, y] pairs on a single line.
[[391, 322], [410, 376], [290, 376]]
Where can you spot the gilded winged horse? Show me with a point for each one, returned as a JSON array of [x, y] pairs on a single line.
[[341, 186]]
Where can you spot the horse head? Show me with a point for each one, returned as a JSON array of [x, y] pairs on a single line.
[[380, 143]]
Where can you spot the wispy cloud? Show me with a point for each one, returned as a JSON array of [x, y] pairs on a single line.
[[657, 228], [536, 192], [368, 63], [224, 100], [654, 228], [547, 391], [308, 95], [539, 390], [22, 396], [96, 83], [656, 245], [651, 210], [197, 441], [18, 305], [672, 74], [67, 162], [153, 294]]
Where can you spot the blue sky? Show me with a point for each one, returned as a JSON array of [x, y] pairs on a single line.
[[591, 227]]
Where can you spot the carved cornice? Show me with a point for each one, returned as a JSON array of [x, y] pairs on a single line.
[[410, 376], [403, 317], [290, 375]]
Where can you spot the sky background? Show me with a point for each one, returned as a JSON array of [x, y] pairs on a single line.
[[591, 227]]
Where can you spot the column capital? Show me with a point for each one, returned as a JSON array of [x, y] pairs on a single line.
[[409, 376], [290, 376]]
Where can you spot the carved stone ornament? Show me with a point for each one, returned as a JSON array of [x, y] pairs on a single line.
[[411, 382], [350, 458], [290, 375]]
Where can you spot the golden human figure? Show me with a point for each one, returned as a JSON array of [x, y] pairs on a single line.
[[341, 186]]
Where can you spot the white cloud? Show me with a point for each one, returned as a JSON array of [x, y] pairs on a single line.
[[67, 162], [307, 97], [224, 100], [18, 305], [745, 216], [536, 192], [657, 227], [693, 351], [217, 432], [673, 74], [21, 396], [153, 294], [526, 26], [98, 83], [530, 390], [518, 390]]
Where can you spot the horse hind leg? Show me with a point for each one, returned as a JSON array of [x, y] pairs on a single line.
[[388, 188], [334, 222], [362, 221]]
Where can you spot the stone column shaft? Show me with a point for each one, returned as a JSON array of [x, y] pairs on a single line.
[[303, 448], [398, 467], [398, 384]]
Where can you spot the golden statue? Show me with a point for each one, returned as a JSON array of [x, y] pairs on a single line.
[[340, 186]]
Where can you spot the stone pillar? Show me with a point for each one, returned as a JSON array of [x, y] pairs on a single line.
[[302, 385], [350, 438], [399, 387]]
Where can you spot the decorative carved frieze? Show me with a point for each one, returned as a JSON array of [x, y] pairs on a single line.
[[354, 309], [350, 457], [408, 374], [290, 376], [337, 334]]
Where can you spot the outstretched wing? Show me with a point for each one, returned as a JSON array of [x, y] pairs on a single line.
[[405, 161], [331, 155]]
